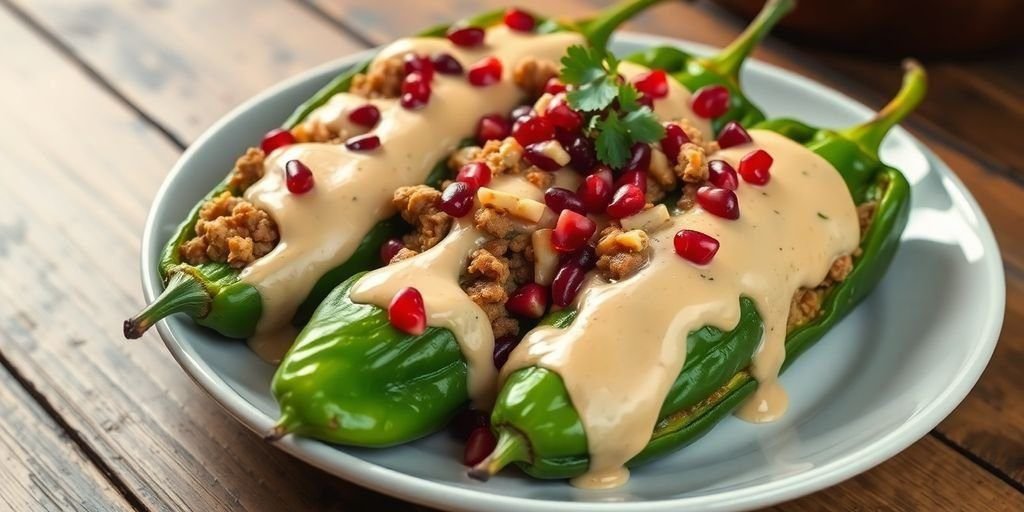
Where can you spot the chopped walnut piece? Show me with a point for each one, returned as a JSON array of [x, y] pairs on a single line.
[[230, 229], [248, 169], [531, 74], [503, 156], [382, 80], [621, 254], [692, 166], [418, 205], [403, 254]]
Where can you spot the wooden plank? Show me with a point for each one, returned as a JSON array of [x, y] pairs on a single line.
[[41, 468], [80, 170], [927, 476], [190, 62]]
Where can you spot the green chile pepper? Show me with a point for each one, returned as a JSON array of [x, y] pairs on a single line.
[[212, 294], [554, 445], [345, 379]]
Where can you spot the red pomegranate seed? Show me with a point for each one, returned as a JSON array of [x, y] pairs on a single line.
[[653, 84], [519, 20], [710, 101], [520, 112], [407, 313], [485, 72], [558, 199], [297, 177], [695, 246], [474, 174], [410, 102], [722, 175], [754, 167], [365, 142], [585, 258], [416, 85], [528, 301], [466, 36], [719, 201], [469, 419], [582, 153], [636, 178], [420, 64], [572, 231], [480, 444], [732, 134], [562, 115], [532, 130], [554, 86], [566, 284], [389, 249], [276, 138], [627, 200], [503, 346], [673, 142], [534, 153], [457, 199], [639, 158], [445, 64], [365, 115], [492, 127], [596, 192]]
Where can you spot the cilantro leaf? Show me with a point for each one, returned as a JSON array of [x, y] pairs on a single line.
[[643, 126], [628, 96], [593, 96], [581, 66], [612, 140]]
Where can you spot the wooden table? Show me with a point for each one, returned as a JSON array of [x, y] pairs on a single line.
[[99, 98]]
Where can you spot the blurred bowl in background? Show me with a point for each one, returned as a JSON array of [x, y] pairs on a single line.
[[901, 27]]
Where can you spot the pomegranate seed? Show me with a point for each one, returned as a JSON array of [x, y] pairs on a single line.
[[722, 175], [276, 138], [492, 127], [596, 192], [474, 174], [389, 249], [627, 200], [558, 199], [466, 421], [695, 246], [410, 102], [407, 313], [673, 142], [582, 153], [645, 100], [503, 346], [457, 199], [554, 86], [719, 201], [754, 167], [520, 112], [635, 178], [732, 134], [562, 115], [485, 72], [585, 258], [710, 101], [566, 284], [532, 130], [419, 64], [528, 301], [519, 20], [535, 154], [572, 231], [365, 115], [640, 157], [417, 86], [365, 142], [445, 64], [298, 177], [480, 444], [653, 84], [466, 36]]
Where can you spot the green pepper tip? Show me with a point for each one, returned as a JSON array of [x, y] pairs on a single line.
[[870, 134], [730, 60], [512, 446], [184, 293]]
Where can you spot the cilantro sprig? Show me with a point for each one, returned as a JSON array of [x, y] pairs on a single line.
[[616, 118]]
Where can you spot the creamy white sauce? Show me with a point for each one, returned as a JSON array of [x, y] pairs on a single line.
[[619, 358]]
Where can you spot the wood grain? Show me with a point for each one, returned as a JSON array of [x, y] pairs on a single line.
[[40, 468], [74, 203]]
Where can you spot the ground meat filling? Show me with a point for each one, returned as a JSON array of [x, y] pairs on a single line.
[[494, 271], [418, 205], [532, 74], [232, 230], [382, 80], [621, 254]]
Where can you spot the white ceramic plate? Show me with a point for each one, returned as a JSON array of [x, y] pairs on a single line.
[[878, 382]]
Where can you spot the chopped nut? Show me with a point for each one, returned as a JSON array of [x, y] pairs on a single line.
[[554, 150], [545, 257], [647, 220], [526, 209], [621, 254], [693, 164], [503, 156]]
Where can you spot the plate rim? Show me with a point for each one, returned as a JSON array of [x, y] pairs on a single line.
[[438, 494]]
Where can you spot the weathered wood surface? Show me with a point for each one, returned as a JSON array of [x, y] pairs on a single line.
[[107, 92]]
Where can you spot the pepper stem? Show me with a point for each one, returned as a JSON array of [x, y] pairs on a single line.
[[730, 60], [512, 446], [184, 294], [283, 427], [871, 133], [599, 30]]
